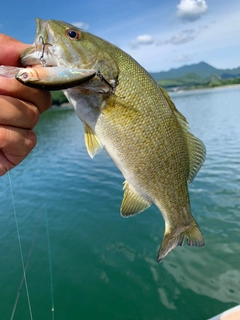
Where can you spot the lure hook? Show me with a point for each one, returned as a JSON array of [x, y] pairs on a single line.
[[98, 74], [42, 60]]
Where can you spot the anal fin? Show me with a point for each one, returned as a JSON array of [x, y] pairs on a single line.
[[93, 144], [133, 202]]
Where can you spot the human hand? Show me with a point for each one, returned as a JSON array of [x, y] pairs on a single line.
[[20, 108]]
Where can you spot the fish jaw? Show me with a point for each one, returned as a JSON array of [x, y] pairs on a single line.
[[32, 56]]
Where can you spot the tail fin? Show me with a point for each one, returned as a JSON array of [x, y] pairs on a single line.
[[175, 238]]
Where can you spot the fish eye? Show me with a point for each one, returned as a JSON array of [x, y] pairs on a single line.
[[73, 34]]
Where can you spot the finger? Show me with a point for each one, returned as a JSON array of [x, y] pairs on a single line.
[[15, 145], [18, 113], [10, 50], [11, 87]]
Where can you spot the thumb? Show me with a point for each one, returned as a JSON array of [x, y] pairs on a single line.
[[10, 50]]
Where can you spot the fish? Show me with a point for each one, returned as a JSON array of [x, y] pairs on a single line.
[[53, 78], [124, 111]]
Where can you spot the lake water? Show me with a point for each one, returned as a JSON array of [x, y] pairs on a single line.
[[104, 266]]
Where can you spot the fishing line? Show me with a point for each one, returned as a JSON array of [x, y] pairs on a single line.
[[22, 280], [50, 263], [20, 248]]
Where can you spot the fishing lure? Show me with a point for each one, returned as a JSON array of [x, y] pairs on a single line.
[[55, 78]]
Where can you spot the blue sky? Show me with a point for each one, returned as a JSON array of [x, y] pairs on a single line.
[[160, 35]]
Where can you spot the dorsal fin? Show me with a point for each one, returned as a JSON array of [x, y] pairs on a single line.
[[133, 202], [93, 144], [196, 149]]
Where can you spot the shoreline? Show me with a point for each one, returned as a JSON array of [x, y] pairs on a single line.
[[227, 86], [68, 106]]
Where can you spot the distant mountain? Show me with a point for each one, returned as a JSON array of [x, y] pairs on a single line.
[[202, 70]]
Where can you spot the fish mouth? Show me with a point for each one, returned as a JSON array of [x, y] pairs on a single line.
[[42, 52], [37, 58], [39, 55]]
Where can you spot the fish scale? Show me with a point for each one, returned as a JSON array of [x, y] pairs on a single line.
[[124, 110]]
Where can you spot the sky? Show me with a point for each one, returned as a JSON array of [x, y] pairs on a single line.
[[160, 35]]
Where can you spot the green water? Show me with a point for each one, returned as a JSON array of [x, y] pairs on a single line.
[[104, 266]]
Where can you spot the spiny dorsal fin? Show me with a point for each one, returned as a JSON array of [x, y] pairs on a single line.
[[133, 202], [173, 107], [92, 142], [196, 149]]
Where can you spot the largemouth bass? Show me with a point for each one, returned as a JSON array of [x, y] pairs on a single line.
[[124, 111]]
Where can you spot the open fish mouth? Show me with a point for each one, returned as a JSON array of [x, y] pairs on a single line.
[[39, 55], [43, 51]]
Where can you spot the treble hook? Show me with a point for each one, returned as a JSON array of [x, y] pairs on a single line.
[[42, 60], [100, 76]]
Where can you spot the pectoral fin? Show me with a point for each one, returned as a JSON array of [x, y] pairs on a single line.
[[93, 144], [133, 202]]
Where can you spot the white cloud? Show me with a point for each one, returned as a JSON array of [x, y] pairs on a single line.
[[81, 25], [142, 40], [215, 35], [180, 38], [191, 10]]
